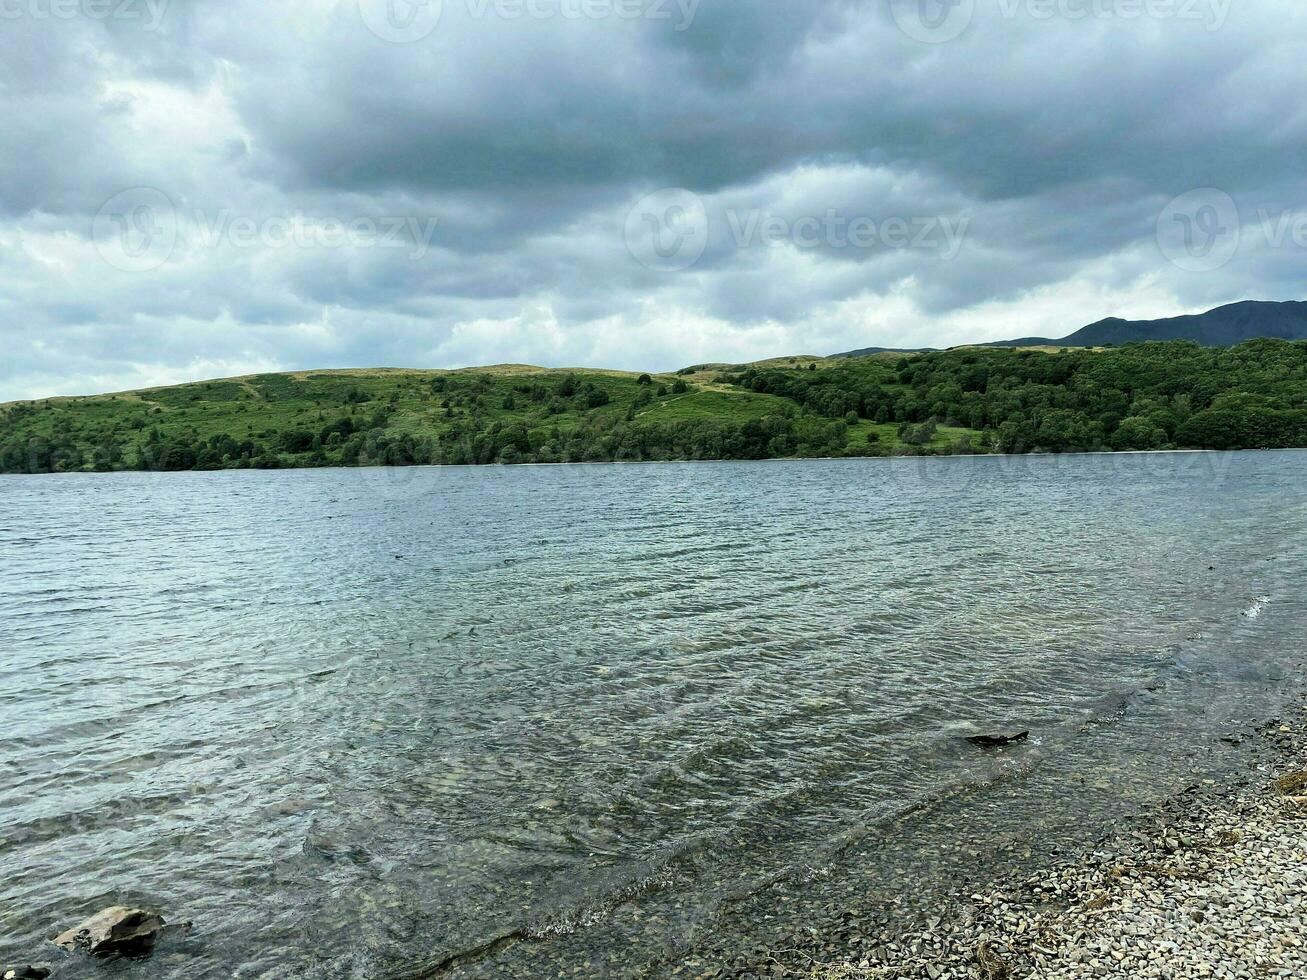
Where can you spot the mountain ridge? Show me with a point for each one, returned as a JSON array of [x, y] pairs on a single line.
[[1223, 326]]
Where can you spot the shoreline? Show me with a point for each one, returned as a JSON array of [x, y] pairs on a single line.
[[792, 460], [1210, 887]]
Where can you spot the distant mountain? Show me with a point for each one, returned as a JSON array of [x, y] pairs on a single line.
[[1224, 326], [866, 351]]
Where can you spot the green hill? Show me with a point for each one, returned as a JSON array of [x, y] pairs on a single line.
[[1143, 396]]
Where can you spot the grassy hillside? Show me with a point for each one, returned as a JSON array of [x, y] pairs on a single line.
[[504, 414], [1145, 396]]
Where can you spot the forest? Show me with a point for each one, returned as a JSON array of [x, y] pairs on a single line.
[[1139, 397], [1150, 396]]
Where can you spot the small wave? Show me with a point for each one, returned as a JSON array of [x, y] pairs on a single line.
[[592, 915], [1255, 609], [808, 874]]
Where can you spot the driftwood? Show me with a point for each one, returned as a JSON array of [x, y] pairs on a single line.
[[997, 741]]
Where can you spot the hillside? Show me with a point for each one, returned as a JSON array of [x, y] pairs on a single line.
[[1145, 396], [504, 414], [869, 351]]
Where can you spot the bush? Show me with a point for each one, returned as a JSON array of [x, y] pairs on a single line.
[[918, 435], [296, 441]]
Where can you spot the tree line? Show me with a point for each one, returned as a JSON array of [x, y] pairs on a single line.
[[1137, 397]]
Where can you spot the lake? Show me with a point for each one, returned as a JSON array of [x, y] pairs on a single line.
[[533, 721]]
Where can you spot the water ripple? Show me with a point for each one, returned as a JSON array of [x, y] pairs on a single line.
[[368, 720]]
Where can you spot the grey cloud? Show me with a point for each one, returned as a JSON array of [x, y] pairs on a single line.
[[527, 141]]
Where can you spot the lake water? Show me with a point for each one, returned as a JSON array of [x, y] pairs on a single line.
[[534, 721]]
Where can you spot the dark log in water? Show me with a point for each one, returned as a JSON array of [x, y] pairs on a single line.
[[997, 741]]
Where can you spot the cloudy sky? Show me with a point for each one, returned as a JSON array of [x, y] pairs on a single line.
[[201, 188]]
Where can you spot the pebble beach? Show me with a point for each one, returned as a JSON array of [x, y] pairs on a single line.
[[1215, 890], [1209, 883]]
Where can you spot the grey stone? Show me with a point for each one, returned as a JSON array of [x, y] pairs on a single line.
[[116, 931]]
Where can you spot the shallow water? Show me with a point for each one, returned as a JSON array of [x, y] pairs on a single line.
[[357, 723]]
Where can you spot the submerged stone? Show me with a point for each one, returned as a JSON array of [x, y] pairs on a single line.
[[997, 741]]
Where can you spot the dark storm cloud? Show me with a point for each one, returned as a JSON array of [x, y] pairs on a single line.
[[1016, 106], [858, 183]]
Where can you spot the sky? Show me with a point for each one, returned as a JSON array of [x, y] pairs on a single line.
[[206, 188]]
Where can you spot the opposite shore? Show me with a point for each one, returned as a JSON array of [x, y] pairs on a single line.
[[1155, 396]]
